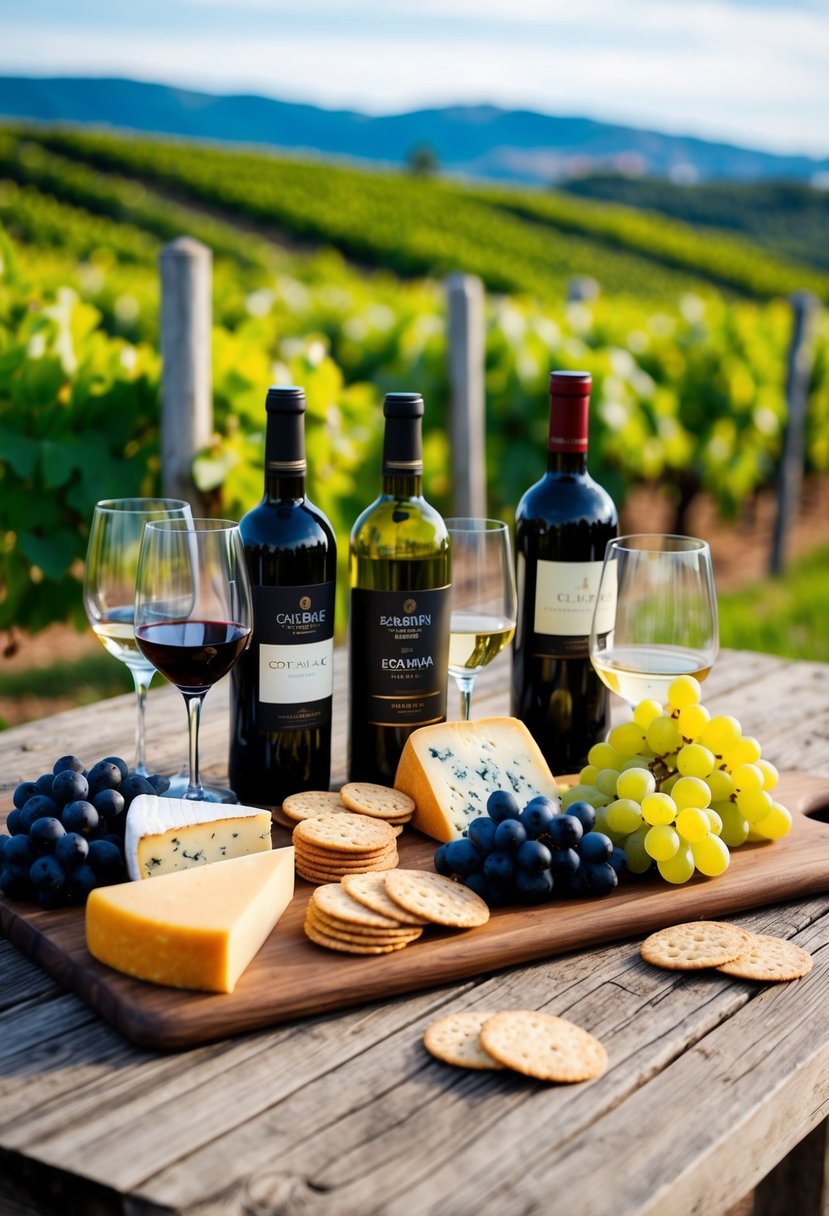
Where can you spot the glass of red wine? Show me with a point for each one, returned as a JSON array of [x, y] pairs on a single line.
[[193, 615]]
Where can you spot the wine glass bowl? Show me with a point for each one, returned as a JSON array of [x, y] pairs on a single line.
[[193, 614], [483, 599], [109, 587], [655, 616]]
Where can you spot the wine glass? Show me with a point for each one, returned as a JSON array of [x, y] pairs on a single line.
[[483, 599], [109, 587], [193, 615], [655, 616]]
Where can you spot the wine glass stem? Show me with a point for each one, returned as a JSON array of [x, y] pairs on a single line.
[[142, 680], [465, 685], [194, 702]]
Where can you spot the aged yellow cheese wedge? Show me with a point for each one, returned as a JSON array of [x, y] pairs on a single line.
[[451, 769], [194, 928]]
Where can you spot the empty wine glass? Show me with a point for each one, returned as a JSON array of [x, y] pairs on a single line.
[[483, 599], [109, 587], [193, 615], [655, 616]]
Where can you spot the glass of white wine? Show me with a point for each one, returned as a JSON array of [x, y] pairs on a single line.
[[483, 603], [655, 616], [109, 587]]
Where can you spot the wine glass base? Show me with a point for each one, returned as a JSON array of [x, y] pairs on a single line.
[[213, 791]]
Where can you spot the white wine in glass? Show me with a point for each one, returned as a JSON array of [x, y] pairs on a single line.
[[109, 587], [655, 616], [483, 599]]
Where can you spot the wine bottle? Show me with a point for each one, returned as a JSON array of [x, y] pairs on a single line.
[[562, 525], [282, 686], [399, 618]]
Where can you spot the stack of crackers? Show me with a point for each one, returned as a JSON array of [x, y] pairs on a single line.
[[358, 798], [350, 832], [536, 1044], [377, 913], [729, 949]]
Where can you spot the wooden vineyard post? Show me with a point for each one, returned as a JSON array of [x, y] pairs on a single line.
[[466, 342], [186, 382], [801, 353]]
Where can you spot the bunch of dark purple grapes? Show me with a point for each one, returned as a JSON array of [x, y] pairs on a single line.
[[67, 830], [528, 856]]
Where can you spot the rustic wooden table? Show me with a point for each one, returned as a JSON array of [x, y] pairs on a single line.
[[712, 1086]]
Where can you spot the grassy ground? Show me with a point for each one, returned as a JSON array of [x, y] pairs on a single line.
[[787, 616]]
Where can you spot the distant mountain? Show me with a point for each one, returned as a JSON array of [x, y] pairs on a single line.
[[481, 141]]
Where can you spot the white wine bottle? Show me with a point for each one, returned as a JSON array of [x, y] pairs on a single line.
[[400, 605]]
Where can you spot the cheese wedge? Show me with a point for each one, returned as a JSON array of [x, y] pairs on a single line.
[[168, 834], [199, 928], [451, 769]]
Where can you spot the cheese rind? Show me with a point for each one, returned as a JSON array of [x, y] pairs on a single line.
[[197, 928], [168, 834], [451, 769]]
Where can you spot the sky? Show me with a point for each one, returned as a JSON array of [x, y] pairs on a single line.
[[752, 72]]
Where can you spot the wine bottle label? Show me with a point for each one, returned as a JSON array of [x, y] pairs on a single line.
[[565, 601], [402, 639], [294, 628]]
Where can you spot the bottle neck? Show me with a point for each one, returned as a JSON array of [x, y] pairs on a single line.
[[285, 457], [403, 487], [567, 462], [567, 436], [403, 458]]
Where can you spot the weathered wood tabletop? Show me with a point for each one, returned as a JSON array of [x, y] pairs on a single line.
[[712, 1081]]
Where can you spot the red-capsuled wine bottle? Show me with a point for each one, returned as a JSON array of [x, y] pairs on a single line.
[[562, 526], [282, 686]]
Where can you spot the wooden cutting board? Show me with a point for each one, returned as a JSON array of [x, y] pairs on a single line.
[[291, 977]]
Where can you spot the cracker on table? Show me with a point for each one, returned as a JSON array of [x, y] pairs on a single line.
[[333, 943], [769, 958], [694, 945], [543, 1046], [437, 899], [312, 803], [336, 902], [369, 889], [378, 800], [348, 833], [456, 1039]]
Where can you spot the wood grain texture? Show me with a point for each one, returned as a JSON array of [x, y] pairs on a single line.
[[291, 977], [346, 1113]]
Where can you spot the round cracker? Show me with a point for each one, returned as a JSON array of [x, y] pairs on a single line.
[[369, 889], [543, 1046], [333, 875], [769, 958], [361, 931], [456, 1039], [333, 943], [377, 800], [312, 803], [437, 899], [321, 861], [360, 937], [694, 945], [348, 833], [336, 902]]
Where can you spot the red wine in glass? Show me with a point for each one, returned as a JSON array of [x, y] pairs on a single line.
[[193, 654]]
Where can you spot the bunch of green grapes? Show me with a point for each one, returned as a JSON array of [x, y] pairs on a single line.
[[678, 787]]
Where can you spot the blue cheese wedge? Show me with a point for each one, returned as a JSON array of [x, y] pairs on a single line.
[[168, 834], [451, 769]]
